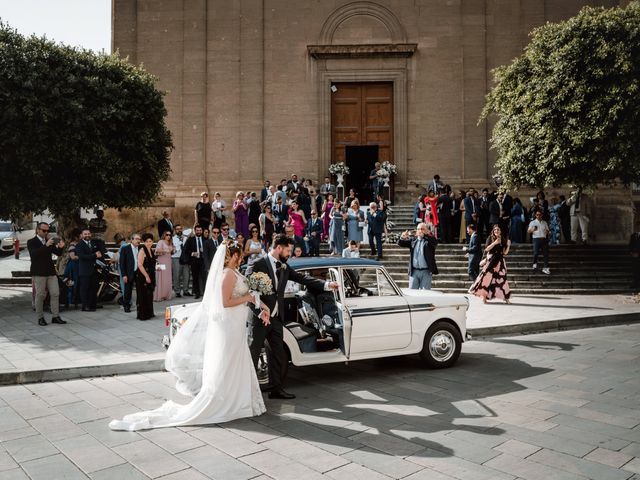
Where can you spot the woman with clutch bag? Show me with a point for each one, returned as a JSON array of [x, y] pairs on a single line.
[[355, 222], [164, 250]]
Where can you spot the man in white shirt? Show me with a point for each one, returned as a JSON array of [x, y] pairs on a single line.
[[181, 271], [539, 231]]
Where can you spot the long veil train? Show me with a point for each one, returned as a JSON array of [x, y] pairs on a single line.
[[211, 360]]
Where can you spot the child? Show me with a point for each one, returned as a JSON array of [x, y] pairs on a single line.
[[352, 251]]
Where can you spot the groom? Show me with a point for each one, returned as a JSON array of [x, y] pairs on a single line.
[[275, 265]]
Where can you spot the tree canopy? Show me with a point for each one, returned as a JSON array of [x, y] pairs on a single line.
[[568, 109], [76, 129]]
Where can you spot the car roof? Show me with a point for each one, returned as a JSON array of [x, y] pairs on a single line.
[[327, 262]]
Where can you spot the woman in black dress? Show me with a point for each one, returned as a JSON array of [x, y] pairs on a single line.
[[145, 278], [492, 281]]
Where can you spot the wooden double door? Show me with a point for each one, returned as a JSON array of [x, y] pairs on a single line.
[[361, 129]]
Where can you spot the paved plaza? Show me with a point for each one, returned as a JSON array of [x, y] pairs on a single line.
[[562, 405]]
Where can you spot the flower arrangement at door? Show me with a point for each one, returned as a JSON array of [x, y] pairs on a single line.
[[387, 169], [338, 169]]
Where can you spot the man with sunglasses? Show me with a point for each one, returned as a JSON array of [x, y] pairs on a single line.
[[43, 272]]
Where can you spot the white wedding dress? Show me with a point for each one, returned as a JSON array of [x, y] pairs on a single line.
[[210, 357]]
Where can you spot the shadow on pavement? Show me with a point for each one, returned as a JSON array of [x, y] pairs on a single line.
[[397, 407], [558, 346]]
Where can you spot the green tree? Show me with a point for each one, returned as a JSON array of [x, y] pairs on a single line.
[[76, 129], [568, 109]]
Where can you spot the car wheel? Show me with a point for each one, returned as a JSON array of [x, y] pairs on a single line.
[[442, 345]]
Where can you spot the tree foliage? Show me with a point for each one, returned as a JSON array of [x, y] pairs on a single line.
[[568, 109], [76, 129]]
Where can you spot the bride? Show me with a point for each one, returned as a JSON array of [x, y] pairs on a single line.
[[210, 355]]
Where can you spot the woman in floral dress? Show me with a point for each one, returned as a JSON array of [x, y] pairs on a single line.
[[492, 281], [554, 224]]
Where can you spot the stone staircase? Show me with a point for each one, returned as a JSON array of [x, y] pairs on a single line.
[[596, 269], [574, 269]]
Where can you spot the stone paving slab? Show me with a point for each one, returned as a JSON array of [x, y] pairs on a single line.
[[512, 408]]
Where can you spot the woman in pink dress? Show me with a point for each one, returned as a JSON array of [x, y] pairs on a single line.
[[297, 219], [164, 250], [327, 207]]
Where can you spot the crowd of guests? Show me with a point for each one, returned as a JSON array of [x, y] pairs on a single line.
[[451, 212]]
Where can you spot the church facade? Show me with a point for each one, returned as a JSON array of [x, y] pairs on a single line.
[[262, 89]]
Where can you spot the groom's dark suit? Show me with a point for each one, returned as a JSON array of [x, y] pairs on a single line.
[[274, 332]]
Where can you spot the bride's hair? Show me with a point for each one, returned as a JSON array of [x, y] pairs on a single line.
[[233, 249]]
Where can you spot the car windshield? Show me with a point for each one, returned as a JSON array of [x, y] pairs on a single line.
[[5, 226]]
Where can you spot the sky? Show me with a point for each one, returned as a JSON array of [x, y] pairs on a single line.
[[83, 23]]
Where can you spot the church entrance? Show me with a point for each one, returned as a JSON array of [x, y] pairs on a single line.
[[361, 160], [361, 130]]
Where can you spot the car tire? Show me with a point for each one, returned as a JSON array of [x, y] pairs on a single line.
[[442, 345]]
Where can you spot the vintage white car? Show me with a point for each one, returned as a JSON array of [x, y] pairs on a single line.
[[369, 316]]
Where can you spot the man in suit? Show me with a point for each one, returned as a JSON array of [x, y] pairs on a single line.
[[275, 265], [474, 252], [264, 193], [128, 260], [294, 185], [494, 211], [484, 225], [280, 211], [327, 187], [313, 233], [194, 254], [87, 254], [375, 222], [470, 213], [43, 272], [505, 212], [298, 242], [445, 205], [422, 257], [374, 181], [165, 224]]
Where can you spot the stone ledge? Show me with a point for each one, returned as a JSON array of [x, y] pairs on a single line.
[[402, 50]]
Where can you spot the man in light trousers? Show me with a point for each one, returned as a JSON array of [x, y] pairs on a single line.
[[181, 273], [422, 257], [43, 272]]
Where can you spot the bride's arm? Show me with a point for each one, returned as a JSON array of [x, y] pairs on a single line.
[[229, 280]]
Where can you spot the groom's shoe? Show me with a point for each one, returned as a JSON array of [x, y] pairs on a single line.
[[266, 388], [282, 395]]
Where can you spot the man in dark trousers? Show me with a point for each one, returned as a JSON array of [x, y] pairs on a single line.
[[194, 254], [43, 272], [375, 222], [422, 257], [470, 210], [128, 261], [275, 265], [564, 212], [313, 233], [474, 252], [87, 254], [445, 205]]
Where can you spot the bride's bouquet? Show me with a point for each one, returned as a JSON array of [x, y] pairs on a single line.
[[260, 283]]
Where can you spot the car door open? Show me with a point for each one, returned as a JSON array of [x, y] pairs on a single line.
[[343, 313]]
